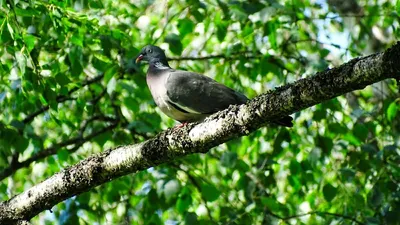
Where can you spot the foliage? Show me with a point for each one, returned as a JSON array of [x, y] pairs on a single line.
[[69, 88]]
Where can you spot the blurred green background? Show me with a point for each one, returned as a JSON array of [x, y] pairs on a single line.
[[69, 89]]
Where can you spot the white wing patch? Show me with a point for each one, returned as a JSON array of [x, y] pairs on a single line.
[[186, 108]]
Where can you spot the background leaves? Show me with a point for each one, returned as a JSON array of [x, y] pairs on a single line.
[[69, 89]]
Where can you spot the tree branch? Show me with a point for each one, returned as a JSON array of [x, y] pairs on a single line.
[[228, 124], [235, 56]]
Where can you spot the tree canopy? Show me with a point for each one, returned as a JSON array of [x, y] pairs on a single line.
[[69, 89]]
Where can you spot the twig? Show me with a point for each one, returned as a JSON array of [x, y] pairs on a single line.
[[316, 212], [223, 56], [60, 99], [77, 142], [234, 56]]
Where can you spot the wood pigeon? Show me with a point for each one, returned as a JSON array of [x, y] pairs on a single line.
[[186, 96]]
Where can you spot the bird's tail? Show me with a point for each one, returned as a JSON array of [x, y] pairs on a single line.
[[285, 121]]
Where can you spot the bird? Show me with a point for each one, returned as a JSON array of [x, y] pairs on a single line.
[[188, 96]]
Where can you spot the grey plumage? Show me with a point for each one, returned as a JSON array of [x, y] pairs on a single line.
[[200, 93], [187, 96]]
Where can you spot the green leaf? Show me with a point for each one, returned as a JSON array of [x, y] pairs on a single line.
[[282, 136], [359, 200], [42, 100], [183, 203], [111, 85], [5, 34], [270, 203], [21, 144], [62, 79], [337, 128], [294, 182], [373, 221], [109, 74], [27, 12], [175, 44], [29, 41], [238, 12], [10, 30], [324, 52], [117, 34], [392, 111], [267, 67], [319, 114], [96, 4], [351, 139], [49, 94], [75, 59], [21, 60], [154, 220], [295, 167], [270, 30], [228, 159], [398, 7], [253, 7], [62, 154], [185, 26], [140, 127], [347, 174], [222, 28], [63, 90], [375, 197], [77, 39], [325, 143], [191, 219], [329, 192], [360, 131], [102, 58], [132, 104], [103, 138], [209, 192]]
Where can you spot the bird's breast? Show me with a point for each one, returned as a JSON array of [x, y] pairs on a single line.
[[157, 86], [158, 90]]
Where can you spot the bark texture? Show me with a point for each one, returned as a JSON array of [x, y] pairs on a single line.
[[199, 138]]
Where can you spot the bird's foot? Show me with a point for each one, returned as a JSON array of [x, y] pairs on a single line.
[[181, 125]]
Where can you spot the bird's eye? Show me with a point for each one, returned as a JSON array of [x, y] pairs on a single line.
[[149, 50]]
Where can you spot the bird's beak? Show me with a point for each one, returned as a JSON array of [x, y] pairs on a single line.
[[139, 58]]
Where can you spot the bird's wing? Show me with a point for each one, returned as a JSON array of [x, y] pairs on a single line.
[[199, 94]]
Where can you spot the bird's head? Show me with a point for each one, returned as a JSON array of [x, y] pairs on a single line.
[[150, 53]]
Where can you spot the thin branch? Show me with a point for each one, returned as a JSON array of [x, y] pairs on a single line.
[[76, 141], [347, 16], [60, 99], [234, 56], [96, 99], [337, 46], [320, 213], [168, 22]]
